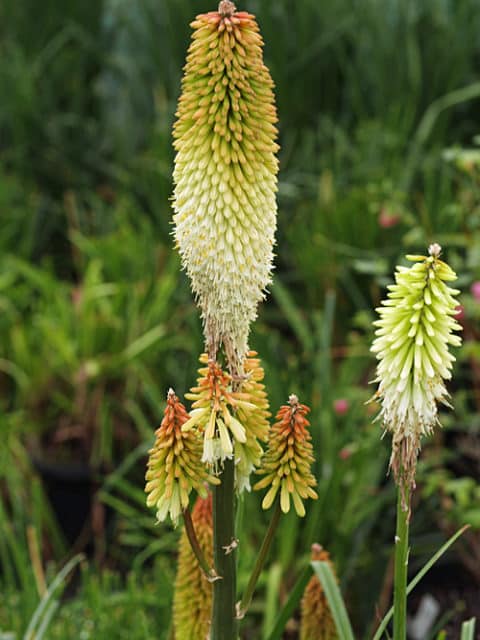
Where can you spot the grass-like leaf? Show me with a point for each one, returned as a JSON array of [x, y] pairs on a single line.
[[468, 630], [46, 607]]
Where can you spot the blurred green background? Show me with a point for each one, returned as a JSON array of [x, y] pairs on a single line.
[[379, 113]]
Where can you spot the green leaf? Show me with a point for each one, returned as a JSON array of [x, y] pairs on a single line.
[[468, 630], [335, 600], [47, 606]]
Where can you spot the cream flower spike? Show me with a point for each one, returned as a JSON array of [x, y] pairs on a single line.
[[412, 346], [226, 176]]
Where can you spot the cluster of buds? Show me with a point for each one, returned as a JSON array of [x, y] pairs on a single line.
[[413, 336], [225, 176], [287, 462]]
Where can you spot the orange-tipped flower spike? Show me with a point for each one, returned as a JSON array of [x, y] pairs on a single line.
[[316, 622], [286, 464], [231, 421], [174, 464], [192, 603]]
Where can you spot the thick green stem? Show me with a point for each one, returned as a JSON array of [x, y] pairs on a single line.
[[401, 563], [224, 622], [262, 556]]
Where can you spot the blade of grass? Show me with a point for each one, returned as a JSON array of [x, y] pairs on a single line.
[[335, 600], [411, 586], [45, 603]]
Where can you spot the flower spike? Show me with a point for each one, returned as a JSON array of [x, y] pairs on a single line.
[[192, 600], [316, 620], [232, 422], [286, 464], [248, 454], [412, 346], [174, 464], [225, 176]]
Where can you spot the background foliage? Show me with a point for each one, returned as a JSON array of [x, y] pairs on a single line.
[[378, 106]]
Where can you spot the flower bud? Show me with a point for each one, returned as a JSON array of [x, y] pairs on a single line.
[[286, 464], [174, 463]]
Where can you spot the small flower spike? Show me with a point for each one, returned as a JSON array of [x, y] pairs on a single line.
[[286, 464], [316, 621], [174, 464], [249, 453], [192, 600], [231, 421], [226, 176], [412, 347]]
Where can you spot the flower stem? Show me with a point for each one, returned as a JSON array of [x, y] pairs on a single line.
[[209, 571], [262, 556], [224, 623], [401, 562]]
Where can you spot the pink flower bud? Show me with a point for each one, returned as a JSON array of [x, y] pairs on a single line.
[[341, 406], [387, 219], [345, 453], [475, 289]]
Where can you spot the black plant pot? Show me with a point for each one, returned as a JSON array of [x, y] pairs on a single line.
[[70, 488]]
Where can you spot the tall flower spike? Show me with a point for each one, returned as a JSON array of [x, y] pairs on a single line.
[[225, 175], [413, 336], [174, 464], [316, 621], [192, 600], [286, 464], [231, 421]]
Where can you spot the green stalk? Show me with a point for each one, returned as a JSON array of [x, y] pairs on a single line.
[[224, 622], [401, 563], [208, 571], [262, 556]]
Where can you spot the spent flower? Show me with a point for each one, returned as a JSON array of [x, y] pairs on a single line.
[[287, 462], [415, 330], [174, 463], [225, 175]]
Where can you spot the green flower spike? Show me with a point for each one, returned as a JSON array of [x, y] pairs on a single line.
[[225, 176], [174, 464], [192, 600], [286, 464], [413, 336]]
